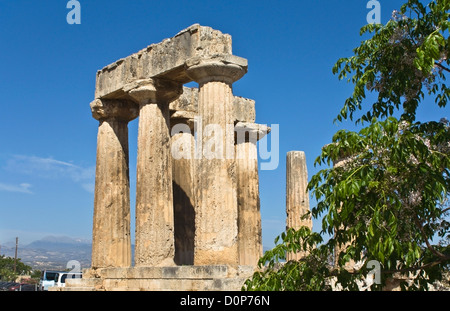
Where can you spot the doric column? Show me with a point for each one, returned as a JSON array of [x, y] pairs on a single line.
[[216, 236], [154, 202], [183, 197], [111, 243], [183, 172], [249, 216], [297, 196]]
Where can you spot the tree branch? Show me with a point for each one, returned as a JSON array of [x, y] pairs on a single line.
[[429, 246], [428, 265], [354, 271], [442, 67]]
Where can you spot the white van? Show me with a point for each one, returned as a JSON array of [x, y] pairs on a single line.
[[48, 279], [60, 277]]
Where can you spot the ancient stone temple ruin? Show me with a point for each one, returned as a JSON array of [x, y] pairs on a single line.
[[198, 222]]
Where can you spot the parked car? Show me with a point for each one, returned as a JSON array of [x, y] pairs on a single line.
[[29, 288], [22, 287], [5, 286], [48, 279], [60, 278], [14, 288]]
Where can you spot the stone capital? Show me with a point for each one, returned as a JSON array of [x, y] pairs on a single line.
[[250, 131], [153, 90], [218, 68], [104, 109]]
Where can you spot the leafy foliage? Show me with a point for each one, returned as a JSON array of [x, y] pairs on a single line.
[[7, 268], [291, 275], [385, 193], [388, 197], [402, 61]]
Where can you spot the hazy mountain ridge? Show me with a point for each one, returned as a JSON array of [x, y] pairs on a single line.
[[51, 252], [54, 252]]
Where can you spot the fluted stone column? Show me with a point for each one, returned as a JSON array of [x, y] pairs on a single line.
[[154, 201], [183, 196], [297, 196], [111, 243], [249, 216], [216, 213]]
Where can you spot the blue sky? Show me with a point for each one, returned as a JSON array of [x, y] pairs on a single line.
[[47, 80]]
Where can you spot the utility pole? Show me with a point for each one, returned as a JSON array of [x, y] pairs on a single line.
[[15, 256]]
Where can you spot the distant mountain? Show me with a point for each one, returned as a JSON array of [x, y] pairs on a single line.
[[53, 252], [58, 243], [64, 239]]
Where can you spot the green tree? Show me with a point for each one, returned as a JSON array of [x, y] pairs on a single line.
[[386, 195], [7, 272]]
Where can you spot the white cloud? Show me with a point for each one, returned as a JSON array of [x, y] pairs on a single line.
[[44, 167], [50, 168], [22, 188], [90, 187]]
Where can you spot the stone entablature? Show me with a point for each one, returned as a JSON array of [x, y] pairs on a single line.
[[164, 60]]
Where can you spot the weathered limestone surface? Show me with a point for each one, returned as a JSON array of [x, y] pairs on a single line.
[[111, 245], [244, 109], [297, 196], [187, 101], [183, 169], [216, 207], [165, 59], [154, 203], [183, 110], [187, 278], [249, 132], [249, 216], [186, 107]]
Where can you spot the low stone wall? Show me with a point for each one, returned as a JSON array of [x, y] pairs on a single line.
[[179, 278]]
